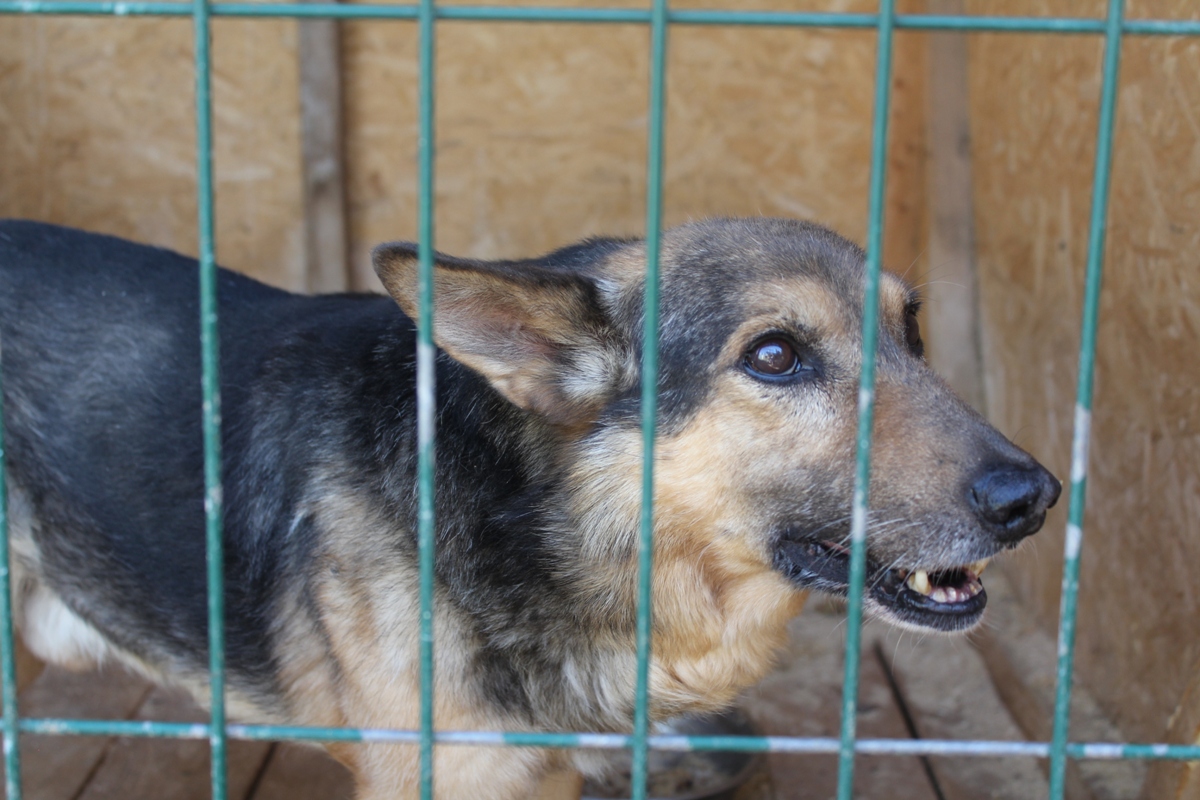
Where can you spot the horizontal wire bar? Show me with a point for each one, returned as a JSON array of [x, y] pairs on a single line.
[[104, 727], [1161, 27], [1143, 27], [613, 741]]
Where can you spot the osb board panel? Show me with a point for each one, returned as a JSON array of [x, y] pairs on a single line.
[[541, 132], [1034, 103], [98, 132]]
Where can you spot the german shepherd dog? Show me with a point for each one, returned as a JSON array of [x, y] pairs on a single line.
[[538, 480]]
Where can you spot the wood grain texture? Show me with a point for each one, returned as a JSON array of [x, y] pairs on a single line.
[[98, 126], [1034, 102], [803, 698], [1021, 657], [949, 694], [59, 767], [298, 772], [950, 283], [320, 63], [541, 132], [170, 769]]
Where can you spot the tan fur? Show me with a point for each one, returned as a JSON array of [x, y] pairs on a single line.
[[368, 676], [750, 470]]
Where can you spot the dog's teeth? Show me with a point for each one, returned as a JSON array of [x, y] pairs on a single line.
[[919, 582], [941, 594], [979, 566]]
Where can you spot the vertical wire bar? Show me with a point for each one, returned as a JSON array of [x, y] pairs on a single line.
[[654, 169], [8, 659], [426, 396], [866, 398], [211, 389], [1097, 227]]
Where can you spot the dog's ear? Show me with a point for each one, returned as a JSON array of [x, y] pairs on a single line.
[[539, 335]]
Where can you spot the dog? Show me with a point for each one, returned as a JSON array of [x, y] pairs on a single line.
[[538, 480]]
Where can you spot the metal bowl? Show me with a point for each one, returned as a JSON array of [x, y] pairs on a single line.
[[698, 775]]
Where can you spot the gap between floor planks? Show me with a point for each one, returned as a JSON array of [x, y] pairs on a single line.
[[99, 768]]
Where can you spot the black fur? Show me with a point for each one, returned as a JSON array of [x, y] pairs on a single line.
[[100, 363], [102, 401]]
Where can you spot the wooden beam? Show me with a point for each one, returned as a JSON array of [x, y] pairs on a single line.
[[319, 52], [952, 320]]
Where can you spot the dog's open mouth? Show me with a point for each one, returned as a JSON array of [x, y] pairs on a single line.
[[943, 599]]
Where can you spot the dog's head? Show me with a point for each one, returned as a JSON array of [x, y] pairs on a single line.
[[760, 354]]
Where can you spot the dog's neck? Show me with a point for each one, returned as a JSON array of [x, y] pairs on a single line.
[[541, 561]]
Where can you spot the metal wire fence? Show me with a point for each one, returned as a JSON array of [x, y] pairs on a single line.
[[659, 18]]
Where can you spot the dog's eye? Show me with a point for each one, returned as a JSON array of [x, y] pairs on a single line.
[[912, 333], [773, 358]]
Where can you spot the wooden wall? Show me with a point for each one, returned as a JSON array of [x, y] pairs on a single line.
[[1034, 106], [541, 132], [541, 141], [97, 131]]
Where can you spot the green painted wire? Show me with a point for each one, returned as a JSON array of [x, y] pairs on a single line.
[[1105, 751], [8, 659], [1101, 176], [654, 171], [866, 399], [211, 407], [408, 11], [426, 394], [426, 13]]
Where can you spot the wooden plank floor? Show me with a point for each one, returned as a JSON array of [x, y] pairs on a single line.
[[935, 687], [97, 768], [911, 684]]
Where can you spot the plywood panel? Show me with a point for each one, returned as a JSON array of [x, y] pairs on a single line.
[[542, 132], [98, 121], [1034, 106]]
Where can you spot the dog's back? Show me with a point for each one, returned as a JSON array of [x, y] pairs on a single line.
[[102, 403]]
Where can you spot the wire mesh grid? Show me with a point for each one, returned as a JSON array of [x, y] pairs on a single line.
[[659, 17]]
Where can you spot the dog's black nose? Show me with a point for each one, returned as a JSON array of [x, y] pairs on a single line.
[[1012, 501]]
